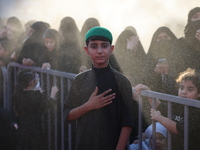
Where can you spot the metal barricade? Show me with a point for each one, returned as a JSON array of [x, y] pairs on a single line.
[[56, 129], [169, 99], [54, 119]]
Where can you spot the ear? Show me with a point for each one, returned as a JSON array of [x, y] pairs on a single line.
[[112, 49], [86, 50]]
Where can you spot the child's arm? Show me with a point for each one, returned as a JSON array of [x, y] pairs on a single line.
[[95, 102], [123, 138], [166, 122]]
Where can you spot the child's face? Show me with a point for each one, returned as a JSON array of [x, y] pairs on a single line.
[[99, 52], [187, 89], [2, 51], [161, 141], [50, 44]]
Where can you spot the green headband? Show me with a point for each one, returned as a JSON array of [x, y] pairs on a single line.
[[99, 31]]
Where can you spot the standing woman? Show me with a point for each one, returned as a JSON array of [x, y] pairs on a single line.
[[70, 45], [186, 50], [51, 39], [130, 56]]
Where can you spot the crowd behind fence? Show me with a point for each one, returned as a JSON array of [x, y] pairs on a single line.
[[59, 135]]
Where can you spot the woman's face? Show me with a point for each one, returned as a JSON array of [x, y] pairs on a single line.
[[50, 44], [163, 36], [196, 17]]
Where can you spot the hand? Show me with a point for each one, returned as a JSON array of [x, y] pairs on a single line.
[[98, 101], [54, 91], [155, 114], [140, 87], [28, 62], [13, 56], [132, 42], [198, 35], [46, 66]]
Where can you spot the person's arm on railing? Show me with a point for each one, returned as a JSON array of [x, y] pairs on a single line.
[[166, 122]]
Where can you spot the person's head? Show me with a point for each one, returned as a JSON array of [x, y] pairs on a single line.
[[51, 39], [26, 78], [161, 66], [161, 136], [98, 46], [4, 48], [68, 30], [14, 28], [189, 84], [193, 23], [39, 27]]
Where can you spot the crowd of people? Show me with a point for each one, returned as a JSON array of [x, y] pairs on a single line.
[[168, 61]]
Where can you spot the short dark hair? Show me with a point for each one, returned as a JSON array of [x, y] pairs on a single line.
[[190, 75], [101, 38]]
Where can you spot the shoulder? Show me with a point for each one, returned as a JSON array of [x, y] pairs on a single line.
[[119, 76]]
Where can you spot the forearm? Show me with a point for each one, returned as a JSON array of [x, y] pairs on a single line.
[[78, 112], [168, 123], [158, 102], [123, 138]]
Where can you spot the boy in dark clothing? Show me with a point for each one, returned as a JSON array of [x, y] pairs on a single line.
[[101, 99]]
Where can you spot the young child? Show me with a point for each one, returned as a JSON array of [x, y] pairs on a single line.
[[51, 39], [189, 87], [161, 139], [29, 106], [101, 99]]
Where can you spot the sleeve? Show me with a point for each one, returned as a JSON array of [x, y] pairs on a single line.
[[130, 107], [72, 99]]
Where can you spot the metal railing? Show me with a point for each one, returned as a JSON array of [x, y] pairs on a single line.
[[56, 129]]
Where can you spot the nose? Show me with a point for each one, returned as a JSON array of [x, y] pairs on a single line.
[[99, 50]]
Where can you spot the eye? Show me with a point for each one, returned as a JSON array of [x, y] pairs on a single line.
[[93, 46]]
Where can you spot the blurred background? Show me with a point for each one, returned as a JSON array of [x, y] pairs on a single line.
[[145, 16]]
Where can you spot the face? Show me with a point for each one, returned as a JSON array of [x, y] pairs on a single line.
[[50, 44], [163, 36], [161, 68], [196, 17], [99, 52], [188, 90], [160, 141], [2, 51]]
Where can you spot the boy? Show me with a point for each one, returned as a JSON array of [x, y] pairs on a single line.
[[101, 99]]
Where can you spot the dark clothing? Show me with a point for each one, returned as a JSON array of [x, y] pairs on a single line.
[[131, 62], [184, 55], [35, 50], [29, 107], [100, 128], [193, 128], [7, 132]]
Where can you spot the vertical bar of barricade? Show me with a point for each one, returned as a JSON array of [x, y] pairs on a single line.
[[62, 117], [55, 119], [154, 127], [6, 101], [140, 122], [49, 113], [69, 125], [186, 110], [168, 132]]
